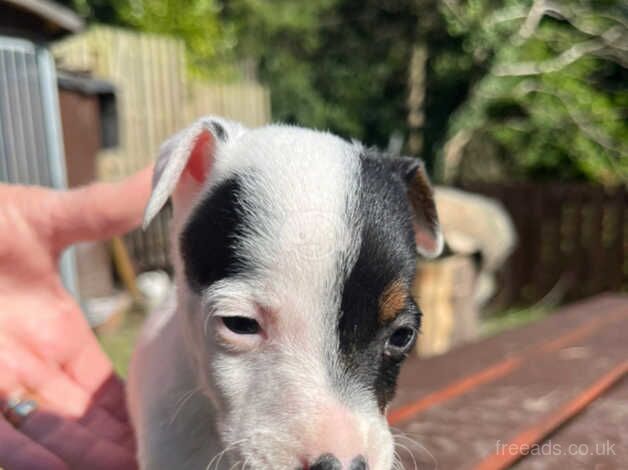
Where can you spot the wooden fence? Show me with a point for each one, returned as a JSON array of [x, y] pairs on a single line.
[[154, 100], [573, 241]]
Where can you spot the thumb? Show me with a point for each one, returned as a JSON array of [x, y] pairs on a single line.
[[100, 210]]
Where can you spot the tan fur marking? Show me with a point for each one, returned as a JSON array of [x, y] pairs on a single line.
[[392, 300]]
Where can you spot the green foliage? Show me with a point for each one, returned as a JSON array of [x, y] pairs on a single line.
[[532, 96], [331, 64], [208, 40], [550, 101], [196, 22], [511, 319]]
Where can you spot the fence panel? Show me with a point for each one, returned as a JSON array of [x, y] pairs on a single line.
[[573, 240], [26, 149], [154, 101], [248, 103]]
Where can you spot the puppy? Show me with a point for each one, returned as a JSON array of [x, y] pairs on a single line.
[[294, 252]]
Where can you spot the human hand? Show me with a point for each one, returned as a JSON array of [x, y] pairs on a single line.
[[47, 351]]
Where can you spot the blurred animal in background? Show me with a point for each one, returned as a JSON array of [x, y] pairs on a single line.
[[479, 226]]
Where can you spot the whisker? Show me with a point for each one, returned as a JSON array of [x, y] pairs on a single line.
[[182, 401], [403, 447], [221, 454], [412, 442], [209, 465], [396, 461]]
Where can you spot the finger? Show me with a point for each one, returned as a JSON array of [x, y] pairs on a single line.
[[100, 210], [97, 420], [81, 358], [91, 369], [75, 444], [100, 422], [79, 355], [39, 329], [20, 368], [111, 396], [19, 452]]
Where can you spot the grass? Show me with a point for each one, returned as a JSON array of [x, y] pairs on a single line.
[[512, 318], [118, 344]]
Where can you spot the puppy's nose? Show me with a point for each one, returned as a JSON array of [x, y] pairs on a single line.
[[329, 462], [326, 462], [359, 463]]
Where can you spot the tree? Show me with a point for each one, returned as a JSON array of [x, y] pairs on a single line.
[[340, 65], [490, 89], [207, 39], [344, 65], [552, 98]]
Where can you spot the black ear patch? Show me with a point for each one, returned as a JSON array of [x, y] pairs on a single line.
[[207, 240], [406, 167], [387, 256], [219, 131], [428, 238]]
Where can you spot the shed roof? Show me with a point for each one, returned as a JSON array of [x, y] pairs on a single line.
[[83, 84], [41, 19]]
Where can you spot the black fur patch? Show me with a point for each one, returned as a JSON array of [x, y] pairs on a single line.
[[219, 131], [387, 253], [207, 240]]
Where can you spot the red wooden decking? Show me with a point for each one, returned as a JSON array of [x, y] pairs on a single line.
[[552, 395]]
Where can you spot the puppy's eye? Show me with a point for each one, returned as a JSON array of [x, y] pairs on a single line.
[[400, 341], [242, 325]]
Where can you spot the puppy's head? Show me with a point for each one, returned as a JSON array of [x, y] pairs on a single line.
[[295, 253]]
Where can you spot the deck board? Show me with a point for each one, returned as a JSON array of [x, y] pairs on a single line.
[[456, 409]]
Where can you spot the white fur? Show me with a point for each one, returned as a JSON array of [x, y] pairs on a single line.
[[195, 391]]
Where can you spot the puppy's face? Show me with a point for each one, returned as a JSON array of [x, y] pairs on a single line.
[[296, 251]]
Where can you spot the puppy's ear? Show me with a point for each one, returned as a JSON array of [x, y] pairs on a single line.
[[186, 160], [427, 233]]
